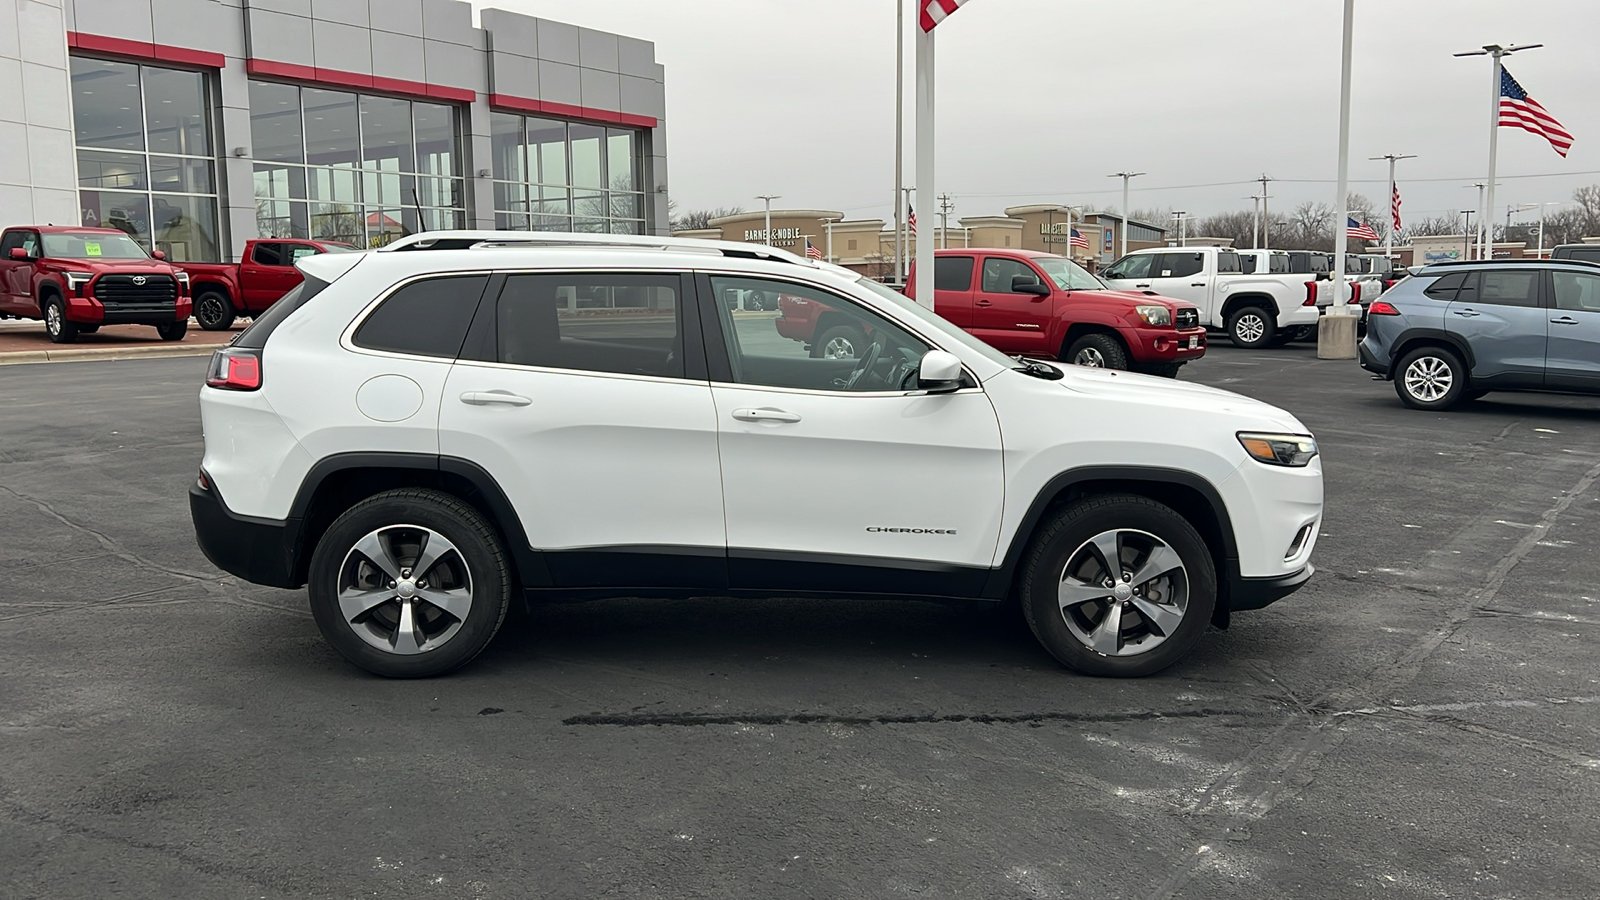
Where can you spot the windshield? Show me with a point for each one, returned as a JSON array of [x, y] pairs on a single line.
[[937, 322], [92, 245], [1068, 275]]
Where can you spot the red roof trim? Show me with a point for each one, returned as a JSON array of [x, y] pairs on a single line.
[[568, 111], [337, 78], [95, 43]]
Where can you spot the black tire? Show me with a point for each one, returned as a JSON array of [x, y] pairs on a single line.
[[1474, 394], [1063, 541], [56, 326], [1163, 370], [1431, 378], [1100, 351], [478, 560], [88, 329], [173, 331], [214, 311], [1304, 333], [840, 342], [1251, 328]]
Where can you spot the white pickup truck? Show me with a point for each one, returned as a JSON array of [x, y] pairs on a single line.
[[1254, 310], [1312, 265]]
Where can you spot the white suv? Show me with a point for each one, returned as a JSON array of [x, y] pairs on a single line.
[[424, 433]]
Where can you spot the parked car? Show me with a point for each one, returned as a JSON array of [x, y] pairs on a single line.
[[1585, 252], [224, 292], [1254, 310], [1040, 305], [77, 279], [1455, 331], [415, 436]]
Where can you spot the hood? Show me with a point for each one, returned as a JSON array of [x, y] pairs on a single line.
[[102, 264], [1153, 391], [1140, 297]]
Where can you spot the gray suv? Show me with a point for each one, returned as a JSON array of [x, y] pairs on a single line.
[[1456, 331]]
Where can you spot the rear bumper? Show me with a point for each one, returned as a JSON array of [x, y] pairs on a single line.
[[1255, 593], [258, 550], [1370, 361]]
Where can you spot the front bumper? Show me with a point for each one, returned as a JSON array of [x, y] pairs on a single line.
[[1255, 593], [261, 551], [89, 311], [1167, 345]]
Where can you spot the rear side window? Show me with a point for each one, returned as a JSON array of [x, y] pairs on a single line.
[[268, 255], [1181, 265], [952, 273], [1520, 288], [593, 322], [424, 318], [261, 327], [1228, 263], [1445, 288], [1588, 254]]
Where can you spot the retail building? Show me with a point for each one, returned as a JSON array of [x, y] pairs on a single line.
[[195, 125]]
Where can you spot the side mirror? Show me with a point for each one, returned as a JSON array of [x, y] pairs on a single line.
[[939, 373], [20, 253], [159, 254], [1025, 284]]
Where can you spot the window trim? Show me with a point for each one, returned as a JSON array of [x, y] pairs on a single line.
[[347, 336], [1541, 298], [1552, 300]]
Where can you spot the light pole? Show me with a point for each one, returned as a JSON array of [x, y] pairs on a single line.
[[1466, 231], [827, 225], [1266, 217], [910, 239], [899, 123], [1181, 216], [1125, 176], [1495, 52], [1539, 254], [768, 198], [1341, 233], [1255, 223], [1388, 240]]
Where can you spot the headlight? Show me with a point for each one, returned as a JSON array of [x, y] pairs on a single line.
[[1154, 315], [1279, 449], [183, 277], [77, 280]]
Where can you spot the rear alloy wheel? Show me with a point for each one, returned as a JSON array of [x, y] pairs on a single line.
[[56, 325], [840, 342], [1118, 585], [409, 583], [1251, 328], [213, 311], [1097, 351], [1430, 378]]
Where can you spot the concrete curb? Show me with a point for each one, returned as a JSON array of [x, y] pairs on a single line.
[[89, 354]]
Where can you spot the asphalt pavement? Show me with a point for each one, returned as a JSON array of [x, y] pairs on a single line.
[[1422, 720]]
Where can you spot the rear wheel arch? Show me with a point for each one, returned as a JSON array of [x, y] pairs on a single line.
[[1424, 337], [1265, 301], [339, 482], [1186, 493]]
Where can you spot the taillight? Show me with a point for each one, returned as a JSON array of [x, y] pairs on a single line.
[[1311, 294], [235, 369], [1388, 283], [1382, 308], [1355, 293]]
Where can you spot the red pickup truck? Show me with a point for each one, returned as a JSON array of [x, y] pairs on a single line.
[[225, 291], [1031, 304], [77, 279]]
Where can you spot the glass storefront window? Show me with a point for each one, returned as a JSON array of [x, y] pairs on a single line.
[[275, 132], [386, 134], [552, 175], [547, 141], [435, 138], [333, 132], [620, 160], [586, 168], [145, 155]]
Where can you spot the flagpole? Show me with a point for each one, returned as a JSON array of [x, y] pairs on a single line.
[[1486, 214], [899, 129], [1388, 241], [926, 194]]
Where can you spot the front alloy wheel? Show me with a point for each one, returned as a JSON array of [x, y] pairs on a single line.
[[1123, 592]]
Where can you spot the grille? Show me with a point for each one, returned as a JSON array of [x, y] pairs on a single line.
[[1187, 318], [121, 289]]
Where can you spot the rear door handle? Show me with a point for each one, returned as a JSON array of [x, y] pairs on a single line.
[[487, 398], [1466, 313], [1565, 320], [764, 414]]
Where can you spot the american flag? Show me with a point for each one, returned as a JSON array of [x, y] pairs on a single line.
[[1518, 110], [1394, 208], [811, 250], [912, 219], [1078, 240], [936, 11], [1359, 230]]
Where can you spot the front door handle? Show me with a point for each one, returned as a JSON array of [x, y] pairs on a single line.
[[486, 398], [983, 303], [1564, 320], [1466, 313], [1145, 285], [1197, 284], [764, 414]]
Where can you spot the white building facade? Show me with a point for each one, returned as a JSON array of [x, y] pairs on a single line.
[[195, 125]]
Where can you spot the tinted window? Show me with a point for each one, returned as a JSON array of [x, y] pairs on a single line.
[[12, 240], [998, 272], [952, 273], [1507, 288], [424, 318], [255, 336], [268, 255], [1445, 288], [1131, 267], [592, 322], [1178, 265], [826, 358], [1577, 291], [1589, 254], [1227, 263], [1247, 264]]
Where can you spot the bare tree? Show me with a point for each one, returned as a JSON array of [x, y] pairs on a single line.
[[1239, 225], [696, 219], [1433, 225], [876, 266]]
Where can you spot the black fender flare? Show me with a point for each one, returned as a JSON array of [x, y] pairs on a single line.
[[1425, 335]]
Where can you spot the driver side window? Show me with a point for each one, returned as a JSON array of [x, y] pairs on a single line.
[[815, 340], [1131, 266]]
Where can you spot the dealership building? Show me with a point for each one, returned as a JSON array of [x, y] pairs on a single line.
[[195, 125]]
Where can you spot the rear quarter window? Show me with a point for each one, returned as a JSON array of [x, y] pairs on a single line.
[[429, 317], [261, 327], [952, 273]]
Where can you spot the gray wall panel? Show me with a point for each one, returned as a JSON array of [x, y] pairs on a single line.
[[451, 21], [198, 25], [558, 42], [635, 57], [279, 37], [347, 12], [398, 16], [515, 75], [40, 27], [643, 97], [454, 65], [597, 50], [512, 32], [346, 48], [397, 56], [127, 19], [600, 90], [559, 83]]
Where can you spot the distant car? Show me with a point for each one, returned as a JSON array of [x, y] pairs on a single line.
[[77, 279], [1585, 252], [225, 291], [1458, 330]]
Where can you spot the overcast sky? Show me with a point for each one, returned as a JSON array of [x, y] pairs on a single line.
[[1039, 99]]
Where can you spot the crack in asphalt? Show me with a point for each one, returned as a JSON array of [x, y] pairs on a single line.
[[700, 719]]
